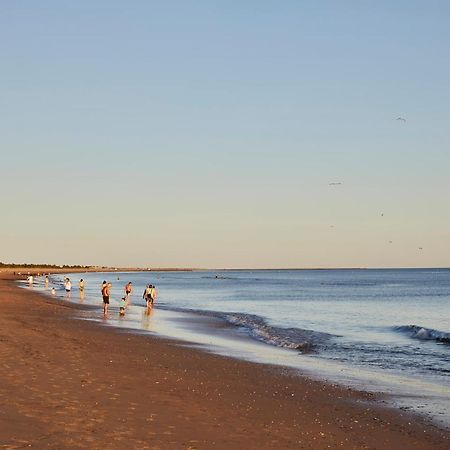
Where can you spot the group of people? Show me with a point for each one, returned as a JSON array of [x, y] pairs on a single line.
[[149, 296], [68, 284]]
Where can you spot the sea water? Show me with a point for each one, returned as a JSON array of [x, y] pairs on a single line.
[[386, 330]]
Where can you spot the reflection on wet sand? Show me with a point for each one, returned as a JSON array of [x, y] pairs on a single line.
[[146, 315], [81, 296]]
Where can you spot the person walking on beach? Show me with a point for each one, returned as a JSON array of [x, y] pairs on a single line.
[[153, 294], [147, 296], [81, 285], [128, 289], [68, 285], [106, 291], [146, 293]]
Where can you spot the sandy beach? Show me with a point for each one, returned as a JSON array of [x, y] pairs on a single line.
[[69, 383]]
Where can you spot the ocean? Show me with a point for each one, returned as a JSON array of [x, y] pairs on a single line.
[[378, 330]]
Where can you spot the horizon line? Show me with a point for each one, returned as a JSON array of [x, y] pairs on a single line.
[[99, 268]]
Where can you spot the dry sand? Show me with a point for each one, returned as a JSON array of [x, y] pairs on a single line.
[[69, 383]]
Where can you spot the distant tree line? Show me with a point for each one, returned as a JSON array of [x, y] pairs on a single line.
[[43, 266]]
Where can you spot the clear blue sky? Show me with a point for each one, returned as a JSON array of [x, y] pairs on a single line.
[[199, 133]]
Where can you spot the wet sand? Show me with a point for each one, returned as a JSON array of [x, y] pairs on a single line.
[[68, 383]]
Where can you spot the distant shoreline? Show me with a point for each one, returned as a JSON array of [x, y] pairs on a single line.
[[42, 269]]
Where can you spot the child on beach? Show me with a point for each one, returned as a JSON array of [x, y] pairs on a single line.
[[122, 306]]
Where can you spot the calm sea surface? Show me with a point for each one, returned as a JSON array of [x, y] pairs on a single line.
[[389, 328]]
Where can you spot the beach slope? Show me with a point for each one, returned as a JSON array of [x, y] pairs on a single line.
[[69, 383]]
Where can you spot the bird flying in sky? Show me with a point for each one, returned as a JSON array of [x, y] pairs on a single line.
[[335, 183], [402, 119]]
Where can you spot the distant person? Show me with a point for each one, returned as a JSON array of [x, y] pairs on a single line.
[[30, 280], [82, 296], [147, 296], [68, 285], [46, 280], [106, 291], [81, 285], [128, 289], [122, 306], [146, 292], [53, 291], [153, 294]]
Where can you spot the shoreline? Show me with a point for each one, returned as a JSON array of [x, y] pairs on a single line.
[[71, 383], [214, 334]]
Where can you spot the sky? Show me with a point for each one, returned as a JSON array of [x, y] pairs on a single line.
[[206, 134]]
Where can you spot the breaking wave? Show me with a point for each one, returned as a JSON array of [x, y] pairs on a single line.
[[293, 338], [428, 334], [258, 328]]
